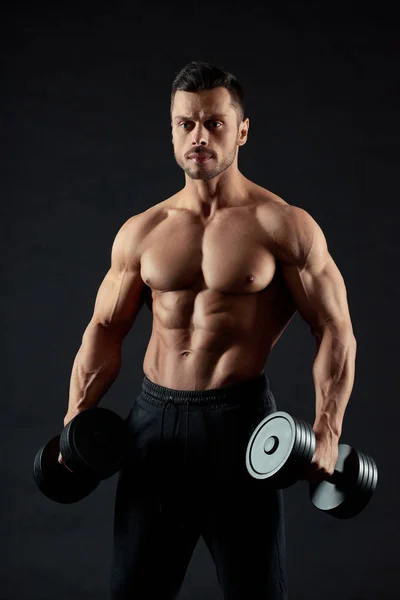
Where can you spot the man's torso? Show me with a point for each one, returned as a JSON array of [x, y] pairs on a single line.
[[218, 298]]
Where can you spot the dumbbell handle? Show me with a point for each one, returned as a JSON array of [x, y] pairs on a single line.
[[335, 478], [338, 479]]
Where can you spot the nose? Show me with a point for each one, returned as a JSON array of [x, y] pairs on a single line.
[[199, 135]]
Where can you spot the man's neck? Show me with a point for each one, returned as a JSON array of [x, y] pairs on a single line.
[[206, 197]]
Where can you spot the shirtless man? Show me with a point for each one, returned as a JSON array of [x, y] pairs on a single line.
[[224, 265]]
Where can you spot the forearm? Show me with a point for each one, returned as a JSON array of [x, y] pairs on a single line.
[[333, 373], [95, 368]]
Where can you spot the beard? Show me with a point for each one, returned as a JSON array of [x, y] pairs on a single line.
[[200, 171]]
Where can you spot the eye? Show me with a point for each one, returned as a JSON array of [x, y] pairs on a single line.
[[184, 124]]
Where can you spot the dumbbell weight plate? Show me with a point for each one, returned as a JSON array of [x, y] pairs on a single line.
[[289, 473], [370, 485], [309, 445], [375, 475], [302, 457], [286, 476], [365, 484], [55, 481], [358, 498], [349, 493], [278, 449], [95, 439]]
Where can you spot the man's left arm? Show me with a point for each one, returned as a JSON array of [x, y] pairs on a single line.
[[319, 292]]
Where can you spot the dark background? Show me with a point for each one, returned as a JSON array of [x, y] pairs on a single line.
[[86, 143]]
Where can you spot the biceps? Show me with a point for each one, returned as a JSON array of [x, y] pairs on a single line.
[[118, 300], [320, 295]]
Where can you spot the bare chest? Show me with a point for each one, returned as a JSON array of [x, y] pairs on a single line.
[[228, 254]]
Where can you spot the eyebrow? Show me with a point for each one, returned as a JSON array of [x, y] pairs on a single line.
[[214, 116]]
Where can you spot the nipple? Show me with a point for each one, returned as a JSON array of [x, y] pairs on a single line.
[[250, 278]]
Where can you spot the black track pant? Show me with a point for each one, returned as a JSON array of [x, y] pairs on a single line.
[[186, 476]]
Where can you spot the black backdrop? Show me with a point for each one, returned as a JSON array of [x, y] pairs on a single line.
[[86, 143]]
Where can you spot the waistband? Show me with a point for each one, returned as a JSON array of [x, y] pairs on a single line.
[[233, 393]]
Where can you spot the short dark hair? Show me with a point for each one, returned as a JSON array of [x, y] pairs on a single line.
[[198, 75]]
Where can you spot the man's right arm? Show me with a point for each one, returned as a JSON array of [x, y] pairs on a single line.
[[118, 301]]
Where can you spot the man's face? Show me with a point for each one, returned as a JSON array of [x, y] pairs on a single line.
[[206, 122]]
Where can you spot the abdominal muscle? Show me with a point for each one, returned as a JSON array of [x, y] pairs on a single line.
[[215, 350]]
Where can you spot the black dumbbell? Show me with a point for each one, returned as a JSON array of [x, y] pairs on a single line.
[[281, 448], [93, 445]]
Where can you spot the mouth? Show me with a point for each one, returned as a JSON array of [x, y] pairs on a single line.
[[200, 157]]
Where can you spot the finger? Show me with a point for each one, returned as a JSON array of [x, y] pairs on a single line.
[[312, 473], [61, 461], [319, 476]]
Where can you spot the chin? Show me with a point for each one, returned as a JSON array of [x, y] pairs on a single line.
[[201, 175]]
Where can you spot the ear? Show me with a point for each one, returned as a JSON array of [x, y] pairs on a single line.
[[243, 131]]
